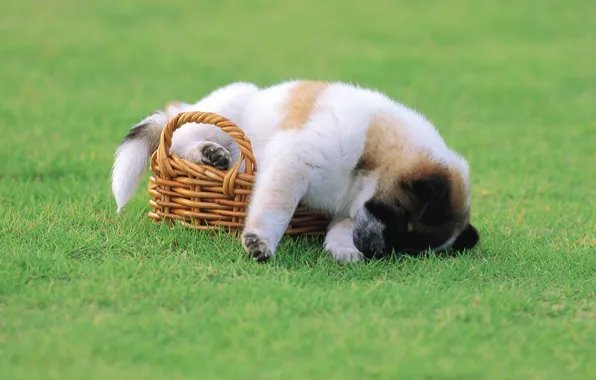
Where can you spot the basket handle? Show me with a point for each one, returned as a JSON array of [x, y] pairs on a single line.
[[226, 125]]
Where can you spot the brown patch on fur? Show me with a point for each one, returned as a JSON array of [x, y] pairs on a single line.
[[458, 193], [385, 133], [301, 103]]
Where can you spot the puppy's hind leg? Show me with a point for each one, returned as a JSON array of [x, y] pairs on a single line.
[[204, 144], [339, 243], [209, 153], [276, 194]]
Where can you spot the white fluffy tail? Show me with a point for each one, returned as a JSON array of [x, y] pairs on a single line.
[[132, 157]]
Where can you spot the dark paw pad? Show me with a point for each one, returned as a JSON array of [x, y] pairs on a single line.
[[256, 248], [217, 156]]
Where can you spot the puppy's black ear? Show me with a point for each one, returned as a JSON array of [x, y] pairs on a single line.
[[432, 195], [392, 216], [467, 239]]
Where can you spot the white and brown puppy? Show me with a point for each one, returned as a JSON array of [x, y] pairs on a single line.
[[380, 169]]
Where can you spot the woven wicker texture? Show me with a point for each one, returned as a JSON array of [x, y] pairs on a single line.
[[204, 197]]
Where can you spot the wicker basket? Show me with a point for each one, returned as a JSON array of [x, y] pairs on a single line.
[[204, 197]]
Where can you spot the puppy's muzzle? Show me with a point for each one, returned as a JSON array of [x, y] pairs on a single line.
[[367, 235]]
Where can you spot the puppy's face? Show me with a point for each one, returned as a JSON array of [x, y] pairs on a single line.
[[415, 215]]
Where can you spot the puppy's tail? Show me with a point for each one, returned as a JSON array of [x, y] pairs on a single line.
[[132, 156]]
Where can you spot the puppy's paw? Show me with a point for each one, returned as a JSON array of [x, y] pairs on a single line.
[[215, 155], [256, 247], [344, 254]]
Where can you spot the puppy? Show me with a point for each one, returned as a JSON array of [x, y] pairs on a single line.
[[378, 168]]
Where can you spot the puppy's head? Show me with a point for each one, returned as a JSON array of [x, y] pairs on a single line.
[[416, 199]]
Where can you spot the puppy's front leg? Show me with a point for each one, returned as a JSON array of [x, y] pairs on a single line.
[[339, 242], [275, 197]]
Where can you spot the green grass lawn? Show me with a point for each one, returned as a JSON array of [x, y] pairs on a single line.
[[87, 294]]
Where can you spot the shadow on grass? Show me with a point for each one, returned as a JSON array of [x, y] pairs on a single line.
[[300, 253]]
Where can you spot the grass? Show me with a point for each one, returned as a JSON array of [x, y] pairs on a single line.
[[87, 293]]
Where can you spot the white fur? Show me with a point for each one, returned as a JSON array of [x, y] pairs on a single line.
[[339, 243], [313, 165]]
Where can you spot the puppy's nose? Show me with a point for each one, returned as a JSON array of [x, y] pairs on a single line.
[[368, 246]]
